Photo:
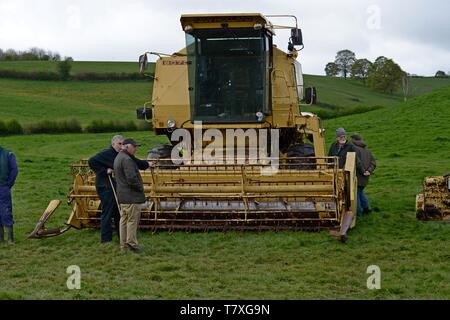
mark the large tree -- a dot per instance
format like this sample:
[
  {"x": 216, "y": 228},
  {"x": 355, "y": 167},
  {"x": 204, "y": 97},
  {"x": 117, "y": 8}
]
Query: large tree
[
  {"x": 331, "y": 69},
  {"x": 440, "y": 74},
  {"x": 385, "y": 75},
  {"x": 344, "y": 60},
  {"x": 360, "y": 69}
]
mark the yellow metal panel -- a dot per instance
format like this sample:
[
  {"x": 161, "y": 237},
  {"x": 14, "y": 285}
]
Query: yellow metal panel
[
  {"x": 170, "y": 91},
  {"x": 215, "y": 21},
  {"x": 350, "y": 167}
]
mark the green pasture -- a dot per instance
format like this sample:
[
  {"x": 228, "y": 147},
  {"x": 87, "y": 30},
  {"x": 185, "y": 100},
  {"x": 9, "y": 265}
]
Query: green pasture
[{"x": 409, "y": 140}]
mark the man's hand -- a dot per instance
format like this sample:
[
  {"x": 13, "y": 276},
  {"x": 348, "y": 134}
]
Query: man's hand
[
  {"x": 110, "y": 171},
  {"x": 366, "y": 173}
]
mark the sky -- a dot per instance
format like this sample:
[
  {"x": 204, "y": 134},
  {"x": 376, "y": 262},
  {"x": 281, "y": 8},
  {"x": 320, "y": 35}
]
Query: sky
[{"x": 416, "y": 34}]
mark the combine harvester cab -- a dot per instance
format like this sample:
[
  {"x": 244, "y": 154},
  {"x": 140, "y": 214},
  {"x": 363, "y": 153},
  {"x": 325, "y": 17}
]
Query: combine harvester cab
[{"x": 231, "y": 90}]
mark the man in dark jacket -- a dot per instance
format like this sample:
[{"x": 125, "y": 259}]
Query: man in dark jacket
[
  {"x": 368, "y": 165},
  {"x": 102, "y": 164},
  {"x": 341, "y": 147},
  {"x": 130, "y": 193},
  {"x": 8, "y": 175}
]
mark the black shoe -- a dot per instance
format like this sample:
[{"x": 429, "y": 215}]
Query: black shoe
[
  {"x": 367, "y": 210},
  {"x": 135, "y": 249}
]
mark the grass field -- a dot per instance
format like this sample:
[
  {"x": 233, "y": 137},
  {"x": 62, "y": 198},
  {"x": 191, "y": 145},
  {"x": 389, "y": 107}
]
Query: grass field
[
  {"x": 409, "y": 140},
  {"x": 77, "y": 66},
  {"x": 336, "y": 96},
  {"x": 30, "y": 101}
]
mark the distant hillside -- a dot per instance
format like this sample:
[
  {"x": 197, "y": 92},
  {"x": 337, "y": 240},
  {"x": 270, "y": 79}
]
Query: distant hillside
[
  {"x": 77, "y": 66},
  {"x": 337, "y": 95},
  {"x": 28, "y": 101}
]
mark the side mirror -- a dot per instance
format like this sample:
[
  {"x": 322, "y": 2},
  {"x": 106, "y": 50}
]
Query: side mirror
[
  {"x": 143, "y": 63},
  {"x": 296, "y": 37},
  {"x": 144, "y": 113}
]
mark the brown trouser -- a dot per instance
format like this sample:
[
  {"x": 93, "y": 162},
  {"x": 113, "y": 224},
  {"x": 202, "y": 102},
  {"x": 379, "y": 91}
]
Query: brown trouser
[{"x": 130, "y": 214}]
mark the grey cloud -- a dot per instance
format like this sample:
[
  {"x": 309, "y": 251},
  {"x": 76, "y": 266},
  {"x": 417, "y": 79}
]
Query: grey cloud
[{"x": 121, "y": 30}]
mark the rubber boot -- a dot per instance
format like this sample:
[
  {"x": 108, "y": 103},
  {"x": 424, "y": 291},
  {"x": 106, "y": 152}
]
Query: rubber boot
[
  {"x": 2, "y": 235},
  {"x": 10, "y": 232}
]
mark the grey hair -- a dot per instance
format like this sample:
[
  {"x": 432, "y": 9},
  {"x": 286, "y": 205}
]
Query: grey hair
[{"x": 117, "y": 138}]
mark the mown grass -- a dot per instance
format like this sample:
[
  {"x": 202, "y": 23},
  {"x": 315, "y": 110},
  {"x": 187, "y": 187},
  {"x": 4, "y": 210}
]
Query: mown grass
[{"x": 409, "y": 141}]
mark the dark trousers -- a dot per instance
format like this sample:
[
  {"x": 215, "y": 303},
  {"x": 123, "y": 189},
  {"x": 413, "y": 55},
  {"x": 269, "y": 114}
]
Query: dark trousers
[
  {"x": 6, "y": 217},
  {"x": 109, "y": 212}
]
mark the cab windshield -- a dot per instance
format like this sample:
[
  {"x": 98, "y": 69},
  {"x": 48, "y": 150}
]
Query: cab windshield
[{"x": 228, "y": 71}]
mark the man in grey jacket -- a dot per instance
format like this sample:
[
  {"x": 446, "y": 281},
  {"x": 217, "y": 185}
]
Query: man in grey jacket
[
  {"x": 130, "y": 194},
  {"x": 368, "y": 165}
]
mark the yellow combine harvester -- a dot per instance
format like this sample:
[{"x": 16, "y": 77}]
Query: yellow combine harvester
[{"x": 230, "y": 77}]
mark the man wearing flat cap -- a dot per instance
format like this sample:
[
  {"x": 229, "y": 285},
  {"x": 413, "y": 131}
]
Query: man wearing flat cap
[
  {"x": 130, "y": 194},
  {"x": 368, "y": 165}
]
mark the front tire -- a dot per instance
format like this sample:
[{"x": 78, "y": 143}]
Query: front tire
[
  {"x": 162, "y": 155},
  {"x": 301, "y": 150}
]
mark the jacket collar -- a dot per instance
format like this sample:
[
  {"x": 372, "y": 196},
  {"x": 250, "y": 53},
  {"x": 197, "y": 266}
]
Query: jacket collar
[{"x": 359, "y": 143}]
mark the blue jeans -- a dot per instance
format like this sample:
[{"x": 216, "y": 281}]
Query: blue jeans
[{"x": 362, "y": 202}]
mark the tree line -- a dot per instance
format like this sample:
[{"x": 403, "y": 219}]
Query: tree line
[
  {"x": 32, "y": 54},
  {"x": 441, "y": 74},
  {"x": 383, "y": 75}
]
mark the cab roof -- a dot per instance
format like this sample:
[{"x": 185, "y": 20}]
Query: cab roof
[{"x": 217, "y": 20}]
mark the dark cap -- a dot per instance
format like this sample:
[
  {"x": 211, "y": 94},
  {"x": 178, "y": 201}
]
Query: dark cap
[
  {"x": 356, "y": 137},
  {"x": 131, "y": 141},
  {"x": 340, "y": 132}
]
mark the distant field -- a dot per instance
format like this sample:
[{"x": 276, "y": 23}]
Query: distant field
[
  {"x": 409, "y": 141},
  {"x": 77, "y": 66},
  {"x": 94, "y": 100},
  {"x": 30, "y": 101}
]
